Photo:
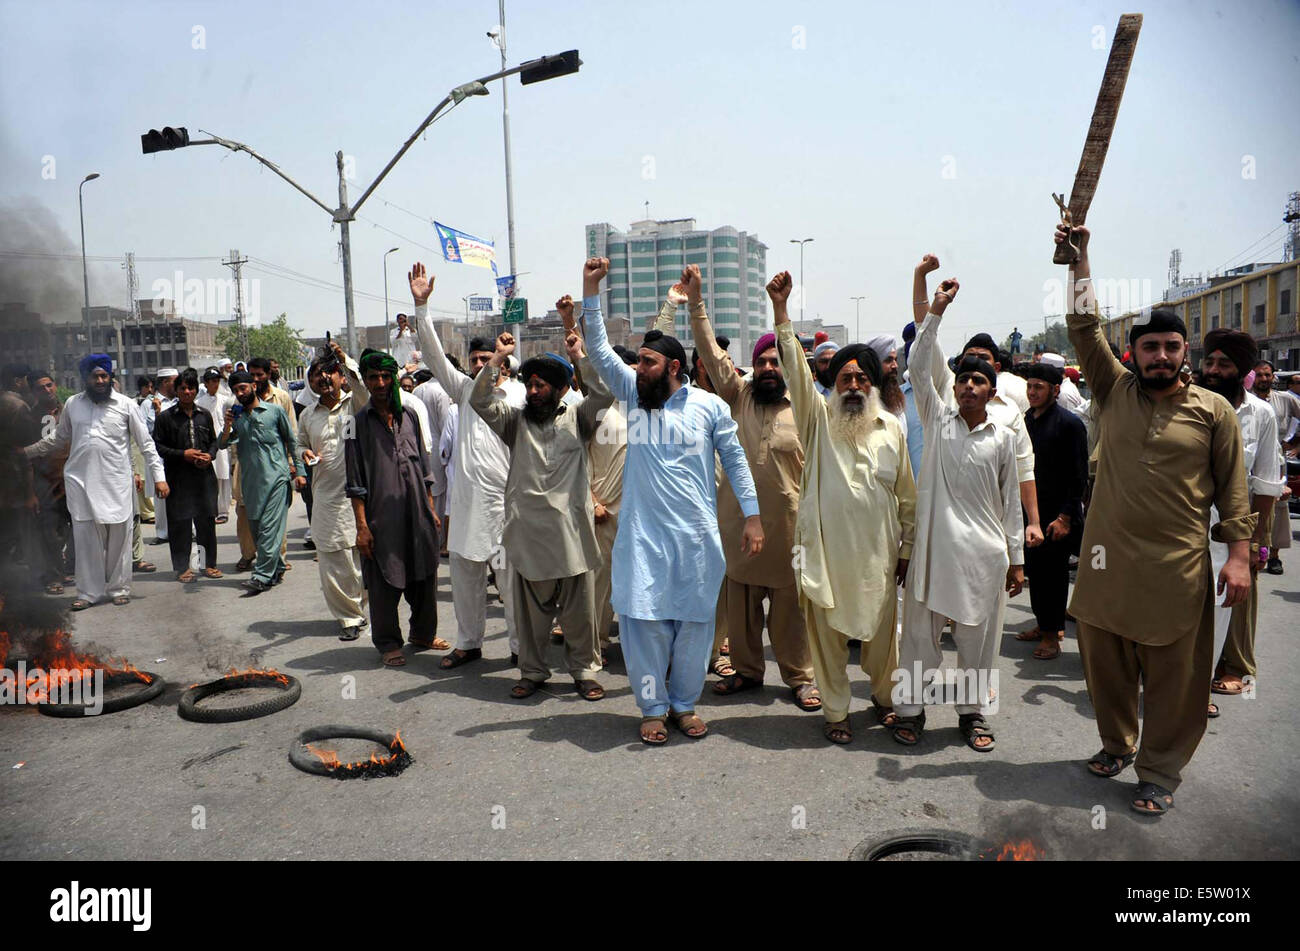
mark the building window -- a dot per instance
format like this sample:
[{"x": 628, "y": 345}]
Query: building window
[
  {"x": 643, "y": 262},
  {"x": 725, "y": 271},
  {"x": 1236, "y": 316},
  {"x": 730, "y": 257},
  {"x": 699, "y": 242},
  {"x": 670, "y": 244},
  {"x": 640, "y": 293},
  {"x": 697, "y": 258},
  {"x": 1196, "y": 327},
  {"x": 1284, "y": 302},
  {"x": 726, "y": 288},
  {"x": 1259, "y": 314},
  {"x": 642, "y": 247},
  {"x": 725, "y": 241}
]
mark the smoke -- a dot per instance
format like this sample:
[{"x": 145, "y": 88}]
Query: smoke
[{"x": 30, "y": 271}]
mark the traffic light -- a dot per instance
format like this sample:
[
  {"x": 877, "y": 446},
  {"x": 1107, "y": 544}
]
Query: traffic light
[
  {"x": 166, "y": 140},
  {"x": 548, "y": 67}
]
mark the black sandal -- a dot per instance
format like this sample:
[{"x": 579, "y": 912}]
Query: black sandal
[
  {"x": 458, "y": 657},
  {"x": 1110, "y": 765},
  {"x": 735, "y": 683},
  {"x": 1156, "y": 795},
  {"x": 840, "y": 726},
  {"x": 973, "y": 726},
  {"x": 524, "y": 688},
  {"x": 883, "y": 713},
  {"x": 915, "y": 725}
]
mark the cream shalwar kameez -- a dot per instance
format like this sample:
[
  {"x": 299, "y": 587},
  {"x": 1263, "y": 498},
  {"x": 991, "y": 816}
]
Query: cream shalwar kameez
[
  {"x": 969, "y": 531},
  {"x": 605, "y": 455},
  {"x": 477, "y": 503},
  {"x": 856, "y": 513},
  {"x": 100, "y": 487}
]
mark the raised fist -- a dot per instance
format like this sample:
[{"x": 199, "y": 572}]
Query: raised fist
[
  {"x": 677, "y": 294},
  {"x": 779, "y": 287},
  {"x": 506, "y": 344},
  {"x": 573, "y": 345},
  {"x": 593, "y": 272},
  {"x": 928, "y": 263},
  {"x": 691, "y": 282},
  {"x": 565, "y": 307},
  {"x": 946, "y": 292}
]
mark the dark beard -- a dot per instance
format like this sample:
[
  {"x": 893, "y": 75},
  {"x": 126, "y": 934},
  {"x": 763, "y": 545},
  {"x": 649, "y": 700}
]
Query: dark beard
[
  {"x": 1230, "y": 390},
  {"x": 653, "y": 395},
  {"x": 541, "y": 413},
  {"x": 97, "y": 395},
  {"x": 246, "y": 400},
  {"x": 825, "y": 379},
  {"x": 1151, "y": 383},
  {"x": 891, "y": 394},
  {"x": 263, "y": 388},
  {"x": 768, "y": 389}
]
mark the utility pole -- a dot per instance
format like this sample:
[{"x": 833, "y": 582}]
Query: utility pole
[
  {"x": 505, "y": 125},
  {"x": 236, "y": 264}
]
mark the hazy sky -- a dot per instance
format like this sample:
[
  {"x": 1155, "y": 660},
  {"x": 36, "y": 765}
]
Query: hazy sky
[{"x": 880, "y": 130}]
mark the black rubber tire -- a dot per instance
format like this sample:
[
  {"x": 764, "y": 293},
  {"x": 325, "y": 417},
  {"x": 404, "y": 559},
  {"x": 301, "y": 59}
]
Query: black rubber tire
[
  {"x": 123, "y": 702},
  {"x": 284, "y": 697},
  {"x": 957, "y": 844},
  {"x": 309, "y": 762}
]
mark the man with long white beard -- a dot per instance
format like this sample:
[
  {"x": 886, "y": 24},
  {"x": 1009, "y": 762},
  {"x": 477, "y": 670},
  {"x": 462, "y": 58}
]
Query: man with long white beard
[
  {"x": 477, "y": 493},
  {"x": 98, "y": 426},
  {"x": 1229, "y": 356},
  {"x": 969, "y": 549},
  {"x": 853, "y": 535},
  {"x": 765, "y": 421}
]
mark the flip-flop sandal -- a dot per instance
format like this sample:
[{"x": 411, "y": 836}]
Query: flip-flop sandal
[
  {"x": 394, "y": 658},
  {"x": 1213, "y": 711},
  {"x": 652, "y": 739},
  {"x": 186, "y": 576},
  {"x": 524, "y": 688},
  {"x": 1110, "y": 764},
  {"x": 807, "y": 697},
  {"x": 1053, "y": 651},
  {"x": 1227, "y": 687},
  {"x": 1150, "y": 792},
  {"x": 455, "y": 659},
  {"x": 54, "y": 588},
  {"x": 722, "y": 667},
  {"x": 212, "y": 573},
  {"x": 689, "y": 720},
  {"x": 144, "y": 566},
  {"x": 829, "y": 730},
  {"x": 80, "y": 604},
  {"x": 350, "y": 633},
  {"x": 1033, "y": 634},
  {"x": 735, "y": 683},
  {"x": 589, "y": 690},
  {"x": 437, "y": 644},
  {"x": 973, "y": 726}
]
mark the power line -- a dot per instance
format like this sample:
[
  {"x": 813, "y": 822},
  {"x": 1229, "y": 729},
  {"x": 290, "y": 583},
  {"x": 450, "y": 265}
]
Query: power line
[{"x": 1249, "y": 248}]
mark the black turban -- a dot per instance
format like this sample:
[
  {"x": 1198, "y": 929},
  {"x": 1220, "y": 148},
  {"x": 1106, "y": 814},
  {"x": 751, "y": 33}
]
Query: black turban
[
  {"x": 1238, "y": 346},
  {"x": 670, "y": 347},
  {"x": 478, "y": 344},
  {"x": 557, "y": 374},
  {"x": 238, "y": 377},
  {"x": 981, "y": 342},
  {"x": 974, "y": 364},
  {"x": 1051, "y": 375},
  {"x": 866, "y": 357},
  {"x": 1163, "y": 320}
]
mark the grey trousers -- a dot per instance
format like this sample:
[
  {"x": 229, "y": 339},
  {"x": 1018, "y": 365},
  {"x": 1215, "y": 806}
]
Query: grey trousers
[{"x": 571, "y": 601}]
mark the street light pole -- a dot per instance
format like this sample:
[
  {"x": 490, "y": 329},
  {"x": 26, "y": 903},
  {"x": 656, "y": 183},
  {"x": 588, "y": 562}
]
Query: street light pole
[
  {"x": 803, "y": 291},
  {"x": 386, "y": 330},
  {"x": 857, "y": 317},
  {"x": 505, "y": 125},
  {"x": 85, "y": 278}
]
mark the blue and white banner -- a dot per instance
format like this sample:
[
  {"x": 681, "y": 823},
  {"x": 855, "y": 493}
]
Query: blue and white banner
[
  {"x": 506, "y": 287},
  {"x": 461, "y": 248}
]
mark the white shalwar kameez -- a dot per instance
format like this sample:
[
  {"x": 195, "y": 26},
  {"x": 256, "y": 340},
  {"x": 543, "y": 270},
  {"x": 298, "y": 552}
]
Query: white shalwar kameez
[
  {"x": 969, "y": 531},
  {"x": 100, "y": 487},
  {"x": 216, "y": 407},
  {"x": 477, "y": 499}
]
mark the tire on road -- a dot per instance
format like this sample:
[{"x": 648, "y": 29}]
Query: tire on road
[
  {"x": 125, "y": 701},
  {"x": 959, "y": 845},
  {"x": 309, "y": 762},
  {"x": 286, "y": 695}
]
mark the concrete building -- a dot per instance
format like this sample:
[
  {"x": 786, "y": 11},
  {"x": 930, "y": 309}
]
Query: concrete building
[
  {"x": 1260, "y": 299},
  {"x": 647, "y": 260}
]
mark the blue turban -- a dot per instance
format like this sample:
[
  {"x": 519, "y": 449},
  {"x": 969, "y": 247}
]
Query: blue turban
[
  {"x": 95, "y": 361},
  {"x": 551, "y": 367}
]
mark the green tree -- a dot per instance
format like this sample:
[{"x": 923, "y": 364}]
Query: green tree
[{"x": 275, "y": 341}]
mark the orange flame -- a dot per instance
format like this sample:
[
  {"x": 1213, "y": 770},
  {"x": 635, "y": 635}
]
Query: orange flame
[
  {"x": 1025, "y": 850},
  {"x": 331, "y": 759},
  {"x": 264, "y": 672}
]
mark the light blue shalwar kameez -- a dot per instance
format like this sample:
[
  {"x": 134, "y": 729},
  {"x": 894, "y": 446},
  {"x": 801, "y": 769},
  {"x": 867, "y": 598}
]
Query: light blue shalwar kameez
[{"x": 667, "y": 558}]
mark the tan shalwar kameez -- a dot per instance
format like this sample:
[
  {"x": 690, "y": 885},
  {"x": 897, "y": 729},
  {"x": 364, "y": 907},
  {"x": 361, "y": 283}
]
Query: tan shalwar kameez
[
  {"x": 549, "y": 533},
  {"x": 856, "y": 516},
  {"x": 1144, "y": 596},
  {"x": 605, "y": 455},
  {"x": 770, "y": 438}
]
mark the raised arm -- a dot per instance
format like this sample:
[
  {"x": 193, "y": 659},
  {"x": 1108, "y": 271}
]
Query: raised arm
[
  {"x": 618, "y": 376},
  {"x": 926, "y": 364},
  {"x": 452, "y": 380},
  {"x": 798, "y": 377},
  {"x": 1100, "y": 368},
  {"x": 717, "y": 364},
  {"x": 498, "y": 414},
  {"x": 920, "y": 296},
  {"x": 598, "y": 398},
  {"x": 666, "y": 320}
]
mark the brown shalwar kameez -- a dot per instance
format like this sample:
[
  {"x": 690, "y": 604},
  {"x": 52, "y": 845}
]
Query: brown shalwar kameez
[{"x": 1144, "y": 595}]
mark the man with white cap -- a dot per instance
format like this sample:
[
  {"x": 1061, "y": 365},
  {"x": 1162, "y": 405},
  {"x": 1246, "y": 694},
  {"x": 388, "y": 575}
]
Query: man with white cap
[
  {"x": 822, "y": 355},
  {"x": 225, "y": 366},
  {"x": 163, "y": 399},
  {"x": 1069, "y": 398}
]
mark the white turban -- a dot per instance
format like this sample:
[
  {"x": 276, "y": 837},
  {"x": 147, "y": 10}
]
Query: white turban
[
  {"x": 883, "y": 344},
  {"x": 829, "y": 346},
  {"x": 1052, "y": 360},
  {"x": 168, "y": 371}
]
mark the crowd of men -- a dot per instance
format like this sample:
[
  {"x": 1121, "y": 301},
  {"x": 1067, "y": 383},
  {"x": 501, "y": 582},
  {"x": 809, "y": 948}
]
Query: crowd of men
[{"x": 830, "y": 499}]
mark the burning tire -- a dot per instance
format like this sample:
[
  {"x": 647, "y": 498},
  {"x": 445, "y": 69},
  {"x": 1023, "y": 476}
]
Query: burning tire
[
  {"x": 287, "y": 688},
  {"x": 320, "y": 763},
  {"x": 153, "y": 686},
  {"x": 956, "y": 845}
]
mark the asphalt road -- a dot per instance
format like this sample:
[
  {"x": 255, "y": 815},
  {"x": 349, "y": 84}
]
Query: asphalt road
[{"x": 554, "y": 776}]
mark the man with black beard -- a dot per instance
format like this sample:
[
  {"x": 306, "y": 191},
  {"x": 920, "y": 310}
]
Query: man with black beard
[
  {"x": 259, "y": 370},
  {"x": 1144, "y": 596},
  {"x": 766, "y": 428},
  {"x": 549, "y": 534},
  {"x": 1229, "y": 356},
  {"x": 885, "y": 347},
  {"x": 268, "y": 450},
  {"x": 97, "y": 427},
  {"x": 823, "y": 354}
]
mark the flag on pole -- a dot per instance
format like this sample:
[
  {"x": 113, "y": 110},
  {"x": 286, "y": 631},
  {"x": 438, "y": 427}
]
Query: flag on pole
[
  {"x": 461, "y": 248},
  {"x": 506, "y": 287}
]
